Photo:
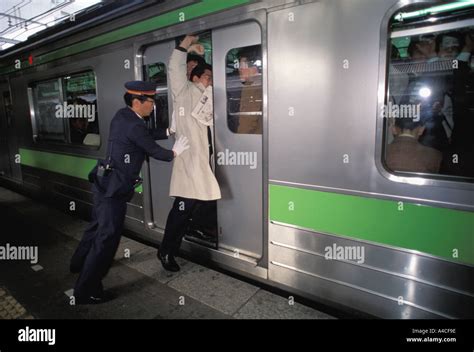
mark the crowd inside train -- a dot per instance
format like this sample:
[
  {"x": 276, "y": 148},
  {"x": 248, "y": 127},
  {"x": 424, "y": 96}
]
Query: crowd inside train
[{"x": 435, "y": 73}]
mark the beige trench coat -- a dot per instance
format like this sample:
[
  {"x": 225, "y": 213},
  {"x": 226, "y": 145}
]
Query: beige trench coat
[{"x": 192, "y": 176}]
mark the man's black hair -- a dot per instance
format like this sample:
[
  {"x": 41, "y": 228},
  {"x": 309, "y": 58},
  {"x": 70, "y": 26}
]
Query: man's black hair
[
  {"x": 252, "y": 53},
  {"x": 197, "y": 58},
  {"x": 407, "y": 123}
]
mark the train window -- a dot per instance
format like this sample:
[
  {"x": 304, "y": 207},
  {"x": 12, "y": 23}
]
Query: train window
[
  {"x": 80, "y": 91},
  {"x": 244, "y": 90},
  {"x": 47, "y": 96},
  {"x": 65, "y": 110},
  {"x": 429, "y": 106},
  {"x": 156, "y": 72}
]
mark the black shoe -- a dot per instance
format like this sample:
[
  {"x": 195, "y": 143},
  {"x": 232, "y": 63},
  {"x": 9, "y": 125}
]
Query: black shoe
[
  {"x": 105, "y": 297},
  {"x": 168, "y": 262}
]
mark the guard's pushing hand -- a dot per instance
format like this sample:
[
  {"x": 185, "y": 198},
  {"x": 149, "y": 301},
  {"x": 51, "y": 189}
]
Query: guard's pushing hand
[{"x": 180, "y": 145}]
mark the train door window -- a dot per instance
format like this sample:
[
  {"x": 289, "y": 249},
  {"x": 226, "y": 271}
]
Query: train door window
[
  {"x": 156, "y": 72},
  {"x": 65, "y": 110},
  {"x": 244, "y": 90},
  {"x": 429, "y": 106}
]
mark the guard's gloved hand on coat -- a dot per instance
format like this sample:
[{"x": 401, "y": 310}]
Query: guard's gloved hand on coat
[{"x": 180, "y": 146}]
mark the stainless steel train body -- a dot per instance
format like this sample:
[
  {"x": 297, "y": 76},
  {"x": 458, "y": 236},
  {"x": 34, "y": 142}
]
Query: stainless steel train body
[{"x": 319, "y": 182}]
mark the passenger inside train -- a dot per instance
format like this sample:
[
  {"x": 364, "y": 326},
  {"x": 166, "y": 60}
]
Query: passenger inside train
[
  {"x": 407, "y": 153},
  {"x": 435, "y": 72},
  {"x": 245, "y": 90}
]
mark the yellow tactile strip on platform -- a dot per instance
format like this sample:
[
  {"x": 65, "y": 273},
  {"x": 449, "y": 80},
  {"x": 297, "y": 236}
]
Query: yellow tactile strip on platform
[{"x": 10, "y": 308}]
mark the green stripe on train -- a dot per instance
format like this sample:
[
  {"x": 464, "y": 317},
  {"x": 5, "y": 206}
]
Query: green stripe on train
[
  {"x": 183, "y": 14},
  {"x": 431, "y": 230},
  {"x": 74, "y": 166}
]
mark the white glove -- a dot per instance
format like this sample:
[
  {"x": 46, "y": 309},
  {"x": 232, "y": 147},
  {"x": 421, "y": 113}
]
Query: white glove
[{"x": 180, "y": 145}]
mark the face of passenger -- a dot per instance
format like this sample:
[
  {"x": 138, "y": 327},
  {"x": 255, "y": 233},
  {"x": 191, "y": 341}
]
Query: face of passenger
[
  {"x": 79, "y": 124},
  {"x": 424, "y": 49},
  {"x": 246, "y": 70},
  {"x": 205, "y": 79},
  {"x": 449, "y": 47},
  {"x": 417, "y": 55}
]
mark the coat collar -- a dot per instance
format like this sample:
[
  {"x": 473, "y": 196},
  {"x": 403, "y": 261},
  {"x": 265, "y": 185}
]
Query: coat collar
[{"x": 200, "y": 86}]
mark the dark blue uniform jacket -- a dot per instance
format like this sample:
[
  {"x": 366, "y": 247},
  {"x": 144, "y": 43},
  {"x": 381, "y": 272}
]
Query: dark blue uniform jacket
[{"x": 129, "y": 142}]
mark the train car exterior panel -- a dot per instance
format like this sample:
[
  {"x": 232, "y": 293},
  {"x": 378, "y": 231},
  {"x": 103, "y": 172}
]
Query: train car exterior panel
[{"x": 402, "y": 277}]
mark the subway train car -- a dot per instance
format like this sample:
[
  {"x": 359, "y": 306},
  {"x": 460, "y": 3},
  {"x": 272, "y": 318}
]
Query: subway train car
[{"x": 313, "y": 101}]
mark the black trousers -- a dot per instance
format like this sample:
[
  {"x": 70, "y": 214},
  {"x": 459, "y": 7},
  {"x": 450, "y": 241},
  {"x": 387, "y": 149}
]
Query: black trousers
[
  {"x": 177, "y": 224},
  {"x": 96, "y": 251}
]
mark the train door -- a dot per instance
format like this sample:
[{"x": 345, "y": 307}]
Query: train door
[
  {"x": 155, "y": 60},
  {"x": 238, "y": 114},
  {"x": 203, "y": 227},
  {"x": 5, "y": 126}
]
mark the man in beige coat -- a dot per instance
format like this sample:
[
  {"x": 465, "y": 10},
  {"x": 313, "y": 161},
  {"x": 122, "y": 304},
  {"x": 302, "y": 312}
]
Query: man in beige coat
[{"x": 192, "y": 179}]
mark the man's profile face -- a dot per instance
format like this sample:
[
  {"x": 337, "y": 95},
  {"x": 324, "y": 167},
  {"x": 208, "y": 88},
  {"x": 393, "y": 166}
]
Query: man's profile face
[
  {"x": 145, "y": 107},
  {"x": 247, "y": 70},
  {"x": 449, "y": 52},
  {"x": 206, "y": 78},
  {"x": 79, "y": 124},
  {"x": 449, "y": 47}
]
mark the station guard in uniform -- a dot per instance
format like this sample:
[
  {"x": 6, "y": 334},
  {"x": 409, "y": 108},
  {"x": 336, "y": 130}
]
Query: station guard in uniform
[{"x": 114, "y": 180}]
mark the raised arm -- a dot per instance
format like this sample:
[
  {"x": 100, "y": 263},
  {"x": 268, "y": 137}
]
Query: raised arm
[{"x": 177, "y": 66}]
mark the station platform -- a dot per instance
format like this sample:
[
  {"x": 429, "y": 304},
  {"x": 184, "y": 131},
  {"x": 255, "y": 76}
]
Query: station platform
[{"x": 144, "y": 289}]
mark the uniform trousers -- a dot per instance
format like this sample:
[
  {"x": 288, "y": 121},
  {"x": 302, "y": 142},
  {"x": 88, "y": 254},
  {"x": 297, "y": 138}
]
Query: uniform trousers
[{"x": 95, "y": 253}]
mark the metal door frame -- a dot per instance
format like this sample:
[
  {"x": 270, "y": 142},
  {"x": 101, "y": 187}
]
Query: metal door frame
[{"x": 149, "y": 214}]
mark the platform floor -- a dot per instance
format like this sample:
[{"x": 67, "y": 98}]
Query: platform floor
[{"x": 145, "y": 290}]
